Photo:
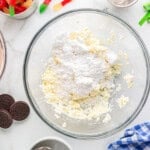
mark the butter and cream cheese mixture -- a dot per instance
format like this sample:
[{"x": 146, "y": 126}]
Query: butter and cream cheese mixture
[{"x": 79, "y": 78}]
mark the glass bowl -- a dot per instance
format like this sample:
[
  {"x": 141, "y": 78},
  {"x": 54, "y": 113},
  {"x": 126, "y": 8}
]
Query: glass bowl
[
  {"x": 2, "y": 54},
  {"x": 25, "y": 14},
  {"x": 51, "y": 143},
  {"x": 122, "y": 3},
  {"x": 102, "y": 24}
]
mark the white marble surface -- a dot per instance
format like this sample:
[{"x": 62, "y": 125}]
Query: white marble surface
[{"x": 18, "y": 34}]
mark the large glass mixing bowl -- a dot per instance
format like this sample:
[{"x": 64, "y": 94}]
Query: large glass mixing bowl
[{"x": 102, "y": 24}]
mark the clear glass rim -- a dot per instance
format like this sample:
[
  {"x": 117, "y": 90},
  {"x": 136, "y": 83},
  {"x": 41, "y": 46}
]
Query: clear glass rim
[
  {"x": 123, "y": 6},
  {"x": 146, "y": 90},
  {"x": 4, "y": 53}
]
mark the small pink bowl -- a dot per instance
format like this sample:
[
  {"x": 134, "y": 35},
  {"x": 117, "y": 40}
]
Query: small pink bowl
[{"x": 2, "y": 54}]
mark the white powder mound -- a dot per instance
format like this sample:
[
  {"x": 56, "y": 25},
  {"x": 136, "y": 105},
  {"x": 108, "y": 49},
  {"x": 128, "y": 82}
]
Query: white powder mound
[{"x": 78, "y": 80}]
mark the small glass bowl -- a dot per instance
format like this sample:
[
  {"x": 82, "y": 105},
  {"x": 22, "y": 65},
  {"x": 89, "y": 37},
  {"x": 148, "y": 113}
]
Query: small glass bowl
[
  {"x": 51, "y": 143},
  {"x": 2, "y": 54},
  {"x": 122, "y": 3},
  {"x": 25, "y": 14}
]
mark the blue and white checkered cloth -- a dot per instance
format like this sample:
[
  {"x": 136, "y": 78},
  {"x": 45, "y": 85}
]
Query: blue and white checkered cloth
[{"x": 135, "y": 138}]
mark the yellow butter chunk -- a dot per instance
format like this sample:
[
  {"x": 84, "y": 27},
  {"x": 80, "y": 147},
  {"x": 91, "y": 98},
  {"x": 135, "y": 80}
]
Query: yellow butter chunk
[
  {"x": 122, "y": 101},
  {"x": 56, "y": 60},
  {"x": 129, "y": 80},
  {"x": 49, "y": 81}
]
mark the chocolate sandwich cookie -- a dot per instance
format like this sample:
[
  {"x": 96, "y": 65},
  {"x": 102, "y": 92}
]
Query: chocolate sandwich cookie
[
  {"x": 6, "y": 101},
  {"x": 19, "y": 110},
  {"x": 5, "y": 119}
]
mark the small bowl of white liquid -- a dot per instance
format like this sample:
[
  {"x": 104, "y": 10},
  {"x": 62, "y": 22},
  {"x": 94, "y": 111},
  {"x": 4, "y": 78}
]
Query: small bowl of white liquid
[{"x": 51, "y": 143}]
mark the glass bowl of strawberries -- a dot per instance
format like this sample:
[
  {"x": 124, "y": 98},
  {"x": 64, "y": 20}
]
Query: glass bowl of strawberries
[{"x": 18, "y": 9}]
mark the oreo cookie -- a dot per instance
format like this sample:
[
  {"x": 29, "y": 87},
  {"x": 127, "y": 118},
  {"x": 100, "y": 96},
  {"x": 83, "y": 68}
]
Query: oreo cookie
[
  {"x": 6, "y": 101},
  {"x": 5, "y": 119},
  {"x": 19, "y": 110}
]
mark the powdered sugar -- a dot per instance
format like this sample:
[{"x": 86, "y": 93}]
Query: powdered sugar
[{"x": 79, "y": 78}]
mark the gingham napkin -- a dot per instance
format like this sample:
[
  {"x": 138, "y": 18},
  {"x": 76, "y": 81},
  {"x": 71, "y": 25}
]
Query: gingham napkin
[{"x": 135, "y": 138}]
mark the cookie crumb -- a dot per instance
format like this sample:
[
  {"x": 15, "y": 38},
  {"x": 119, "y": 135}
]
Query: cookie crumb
[
  {"x": 107, "y": 118},
  {"x": 122, "y": 101},
  {"x": 129, "y": 80},
  {"x": 118, "y": 88},
  {"x": 64, "y": 125},
  {"x": 57, "y": 116}
]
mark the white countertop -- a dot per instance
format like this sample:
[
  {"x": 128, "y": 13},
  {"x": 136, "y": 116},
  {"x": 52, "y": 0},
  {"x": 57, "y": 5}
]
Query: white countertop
[{"x": 18, "y": 34}]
